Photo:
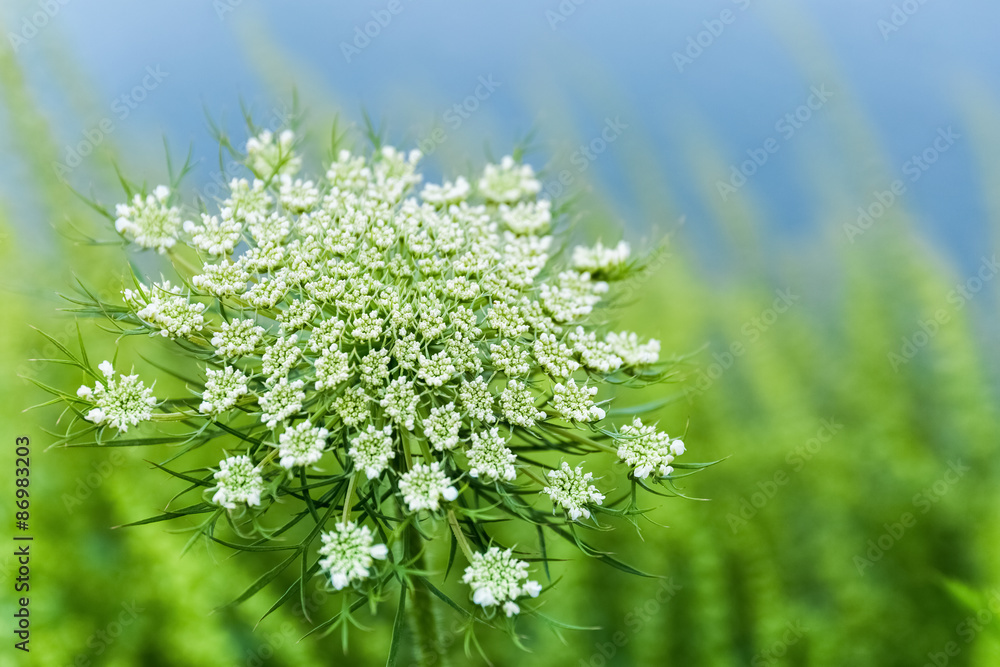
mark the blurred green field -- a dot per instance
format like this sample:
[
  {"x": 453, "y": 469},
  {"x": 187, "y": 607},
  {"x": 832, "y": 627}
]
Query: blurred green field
[{"x": 853, "y": 521}]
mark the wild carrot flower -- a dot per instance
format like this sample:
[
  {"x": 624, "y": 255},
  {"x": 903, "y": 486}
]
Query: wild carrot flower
[{"x": 430, "y": 344}]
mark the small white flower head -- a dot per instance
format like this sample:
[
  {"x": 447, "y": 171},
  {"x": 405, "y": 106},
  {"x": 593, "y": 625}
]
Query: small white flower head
[
  {"x": 267, "y": 293},
  {"x": 332, "y": 368},
  {"x": 263, "y": 258},
  {"x": 149, "y": 220},
  {"x": 424, "y": 486},
  {"x": 400, "y": 402},
  {"x": 246, "y": 203},
  {"x": 213, "y": 236},
  {"x": 222, "y": 279},
  {"x": 349, "y": 172},
  {"x": 507, "y": 320},
  {"x": 464, "y": 354},
  {"x": 237, "y": 338},
  {"x": 298, "y": 196},
  {"x": 477, "y": 400},
  {"x": 121, "y": 403},
  {"x": 270, "y": 230},
  {"x": 497, "y": 578},
  {"x": 353, "y": 406},
  {"x": 301, "y": 445},
  {"x": 601, "y": 261},
  {"x": 281, "y": 356},
  {"x": 297, "y": 316},
  {"x": 239, "y": 481},
  {"x": 449, "y": 193},
  {"x": 461, "y": 288},
  {"x": 554, "y": 357},
  {"x": 407, "y": 350},
  {"x": 571, "y": 296},
  {"x": 576, "y": 403},
  {"x": 511, "y": 359},
  {"x": 596, "y": 355},
  {"x": 627, "y": 346},
  {"x": 530, "y": 217},
  {"x": 281, "y": 402},
  {"x": 490, "y": 458},
  {"x": 437, "y": 370},
  {"x": 348, "y": 553},
  {"x": 223, "y": 388},
  {"x": 517, "y": 402},
  {"x": 442, "y": 425},
  {"x": 368, "y": 327},
  {"x": 374, "y": 367},
  {"x": 164, "y": 307},
  {"x": 268, "y": 155},
  {"x": 394, "y": 173},
  {"x": 327, "y": 335},
  {"x": 571, "y": 489},
  {"x": 646, "y": 449},
  {"x": 371, "y": 450},
  {"x": 508, "y": 182},
  {"x": 464, "y": 320}
]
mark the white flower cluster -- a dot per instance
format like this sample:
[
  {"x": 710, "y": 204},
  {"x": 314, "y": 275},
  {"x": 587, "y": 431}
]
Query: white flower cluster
[
  {"x": 164, "y": 307},
  {"x": 149, "y": 220},
  {"x": 422, "y": 340},
  {"x": 497, "y": 578},
  {"x": 489, "y": 456},
  {"x": 301, "y": 445},
  {"x": 576, "y": 403},
  {"x": 571, "y": 489},
  {"x": 348, "y": 553},
  {"x": 424, "y": 486},
  {"x": 600, "y": 260},
  {"x": 122, "y": 403},
  {"x": 646, "y": 449},
  {"x": 239, "y": 481},
  {"x": 223, "y": 389}
]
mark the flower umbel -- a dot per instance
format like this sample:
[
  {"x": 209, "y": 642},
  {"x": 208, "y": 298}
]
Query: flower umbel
[
  {"x": 348, "y": 553},
  {"x": 121, "y": 403},
  {"x": 239, "y": 482},
  {"x": 357, "y": 347},
  {"x": 497, "y": 578}
]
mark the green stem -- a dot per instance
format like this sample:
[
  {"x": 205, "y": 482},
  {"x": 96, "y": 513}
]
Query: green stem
[{"x": 428, "y": 648}]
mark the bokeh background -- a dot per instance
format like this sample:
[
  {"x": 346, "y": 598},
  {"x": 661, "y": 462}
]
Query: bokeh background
[{"x": 828, "y": 175}]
